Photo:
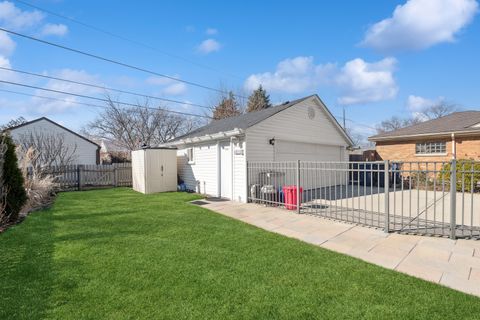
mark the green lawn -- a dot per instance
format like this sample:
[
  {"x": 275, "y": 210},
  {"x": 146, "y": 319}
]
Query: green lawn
[{"x": 117, "y": 254}]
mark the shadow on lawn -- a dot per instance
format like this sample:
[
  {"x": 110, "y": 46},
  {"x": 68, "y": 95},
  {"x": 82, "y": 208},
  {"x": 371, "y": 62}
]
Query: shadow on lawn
[{"x": 26, "y": 253}]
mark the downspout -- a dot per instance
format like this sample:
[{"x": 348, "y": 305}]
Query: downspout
[
  {"x": 219, "y": 168},
  {"x": 232, "y": 163},
  {"x": 454, "y": 147}
]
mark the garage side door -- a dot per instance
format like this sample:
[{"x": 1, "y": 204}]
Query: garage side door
[{"x": 291, "y": 151}]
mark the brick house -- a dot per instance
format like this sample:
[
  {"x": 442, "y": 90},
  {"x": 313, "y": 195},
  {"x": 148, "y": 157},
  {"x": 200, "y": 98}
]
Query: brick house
[{"x": 454, "y": 136}]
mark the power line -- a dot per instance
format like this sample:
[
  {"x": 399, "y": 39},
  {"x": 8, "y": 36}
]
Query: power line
[
  {"x": 51, "y": 98},
  {"x": 123, "y": 64},
  {"x": 100, "y": 99},
  {"x": 114, "y": 35},
  {"x": 361, "y": 124},
  {"x": 103, "y": 87},
  {"x": 358, "y": 123}
]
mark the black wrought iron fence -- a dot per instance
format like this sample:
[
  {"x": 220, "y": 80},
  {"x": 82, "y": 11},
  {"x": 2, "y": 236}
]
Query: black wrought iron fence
[{"x": 428, "y": 198}]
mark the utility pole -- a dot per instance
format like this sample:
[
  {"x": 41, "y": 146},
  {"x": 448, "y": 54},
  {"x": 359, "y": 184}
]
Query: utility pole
[{"x": 344, "y": 126}]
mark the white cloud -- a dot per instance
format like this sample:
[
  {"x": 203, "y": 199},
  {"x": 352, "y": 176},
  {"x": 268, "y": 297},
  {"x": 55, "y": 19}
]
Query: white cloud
[
  {"x": 54, "y": 29},
  {"x": 7, "y": 45},
  {"x": 15, "y": 18},
  {"x": 7, "y": 75},
  {"x": 175, "y": 89},
  {"x": 43, "y": 106},
  {"x": 4, "y": 62},
  {"x": 362, "y": 82},
  {"x": 294, "y": 75},
  {"x": 419, "y": 24},
  {"x": 158, "y": 81},
  {"x": 208, "y": 46},
  {"x": 211, "y": 31},
  {"x": 357, "y": 81},
  {"x": 417, "y": 103},
  {"x": 169, "y": 86}
]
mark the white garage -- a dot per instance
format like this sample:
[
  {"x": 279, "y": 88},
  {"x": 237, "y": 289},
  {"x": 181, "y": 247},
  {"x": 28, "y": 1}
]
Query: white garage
[
  {"x": 291, "y": 151},
  {"x": 213, "y": 159}
]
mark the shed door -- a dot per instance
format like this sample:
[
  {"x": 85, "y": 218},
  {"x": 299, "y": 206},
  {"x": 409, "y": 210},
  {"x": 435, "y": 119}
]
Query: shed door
[
  {"x": 225, "y": 170},
  {"x": 291, "y": 151}
]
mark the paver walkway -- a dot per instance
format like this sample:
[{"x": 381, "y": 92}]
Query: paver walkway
[{"x": 453, "y": 263}]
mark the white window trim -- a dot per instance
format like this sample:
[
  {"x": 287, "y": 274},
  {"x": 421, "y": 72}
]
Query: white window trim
[
  {"x": 431, "y": 154},
  {"x": 192, "y": 160}
]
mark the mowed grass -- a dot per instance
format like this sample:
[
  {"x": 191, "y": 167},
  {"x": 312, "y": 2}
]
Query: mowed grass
[{"x": 118, "y": 254}]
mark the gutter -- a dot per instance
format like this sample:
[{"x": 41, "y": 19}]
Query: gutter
[
  {"x": 426, "y": 135},
  {"x": 205, "y": 138}
]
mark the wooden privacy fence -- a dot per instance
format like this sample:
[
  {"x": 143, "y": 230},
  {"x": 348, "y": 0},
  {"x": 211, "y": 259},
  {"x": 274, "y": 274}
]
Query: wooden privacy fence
[{"x": 83, "y": 177}]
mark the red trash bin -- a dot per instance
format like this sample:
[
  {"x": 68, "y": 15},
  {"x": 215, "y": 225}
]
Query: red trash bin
[{"x": 290, "y": 195}]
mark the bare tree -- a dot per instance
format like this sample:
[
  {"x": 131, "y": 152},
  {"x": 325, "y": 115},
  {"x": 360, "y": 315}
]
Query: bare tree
[
  {"x": 357, "y": 139},
  {"x": 13, "y": 123},
  {"x": 439, "y": 110},
  {"x": 133, "y": 127},
  {"x": 46, "y": 149},
  {"x": 395, "y": 123},
  {"x": 430, "y": 113}
]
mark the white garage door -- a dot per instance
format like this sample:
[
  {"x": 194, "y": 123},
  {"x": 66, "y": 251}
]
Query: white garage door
[{"x": 291, "y": 151}]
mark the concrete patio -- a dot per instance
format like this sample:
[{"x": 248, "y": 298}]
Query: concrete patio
[{"x": 453, "y": 263}]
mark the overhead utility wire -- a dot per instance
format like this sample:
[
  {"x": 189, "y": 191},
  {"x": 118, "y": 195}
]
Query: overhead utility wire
[
  {"x": 51, "y": 98},
  {"x": 103, "y": 87},
  {"x": 100, "y": 99},
  {"x": 114, "y": 35},
  {"x": 123, "y": 64}
]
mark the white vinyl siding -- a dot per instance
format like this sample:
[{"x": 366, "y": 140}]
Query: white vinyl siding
[
  {"x": 294, "y": 125},
  {"x": 200, "y": 176},
  {"x": 138, "y": 171},
  {"x": 292, "y": 151},
  {"x": 303, "y": 132},
  {"x": 239, "y": 171},
  {"x": 85, "y": 151}
]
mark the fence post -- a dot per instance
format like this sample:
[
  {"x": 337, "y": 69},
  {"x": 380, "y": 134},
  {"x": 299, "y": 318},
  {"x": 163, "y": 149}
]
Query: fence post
[
  {"x": 247, "y": 181},
  {"x": 453, "y": 198},
  {"x": 386, "y": 190},
  {"x": 79, "y": 176},
  {"x": 299, "y": 201},
  {"x": 115, "y": 176}
]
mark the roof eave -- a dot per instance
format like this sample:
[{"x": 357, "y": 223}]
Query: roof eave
[
  {"x": 206, "y": 138},
  {"x": 425, "y": 135}
]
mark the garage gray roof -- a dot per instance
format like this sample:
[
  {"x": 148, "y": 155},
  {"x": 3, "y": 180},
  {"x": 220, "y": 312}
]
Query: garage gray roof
[
  {"x": 453, "y": 123},
  {"x": 242, "y": 121}
]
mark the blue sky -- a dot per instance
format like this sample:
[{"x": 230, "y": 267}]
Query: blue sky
[{"x": 376, "y": 59}]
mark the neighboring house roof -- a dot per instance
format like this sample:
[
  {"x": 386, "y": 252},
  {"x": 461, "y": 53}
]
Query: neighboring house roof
[
  {"x": 112, "y": 146},
  {"x": 249, "y": 119},
  {"x": 54, "y": 123},
  {"x": 107, "y": 145},
  {"x": 465, "y": 122}
]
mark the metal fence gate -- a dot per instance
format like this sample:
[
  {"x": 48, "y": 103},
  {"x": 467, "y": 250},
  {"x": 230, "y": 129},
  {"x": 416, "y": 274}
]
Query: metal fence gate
[{"x": 427, "y": 198}]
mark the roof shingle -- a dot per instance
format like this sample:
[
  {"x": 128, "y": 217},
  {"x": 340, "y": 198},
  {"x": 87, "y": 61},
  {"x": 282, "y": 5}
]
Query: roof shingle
[
  {"x": 242, "y": 121},
  {"x": 455, "y": 122}
]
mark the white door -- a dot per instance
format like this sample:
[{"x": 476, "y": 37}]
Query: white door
[{"x": 225, "y": 170}]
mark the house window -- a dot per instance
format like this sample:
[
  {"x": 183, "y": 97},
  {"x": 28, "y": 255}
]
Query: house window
[
  {"x": 190, "y": 155},
  {"x": 435, "y": 147}
]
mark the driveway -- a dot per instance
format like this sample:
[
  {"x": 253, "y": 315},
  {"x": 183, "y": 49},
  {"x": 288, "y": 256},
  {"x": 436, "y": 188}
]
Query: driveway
[
  {"x": 410, "y": 210},
  {"x": 453, "y": 263}
]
